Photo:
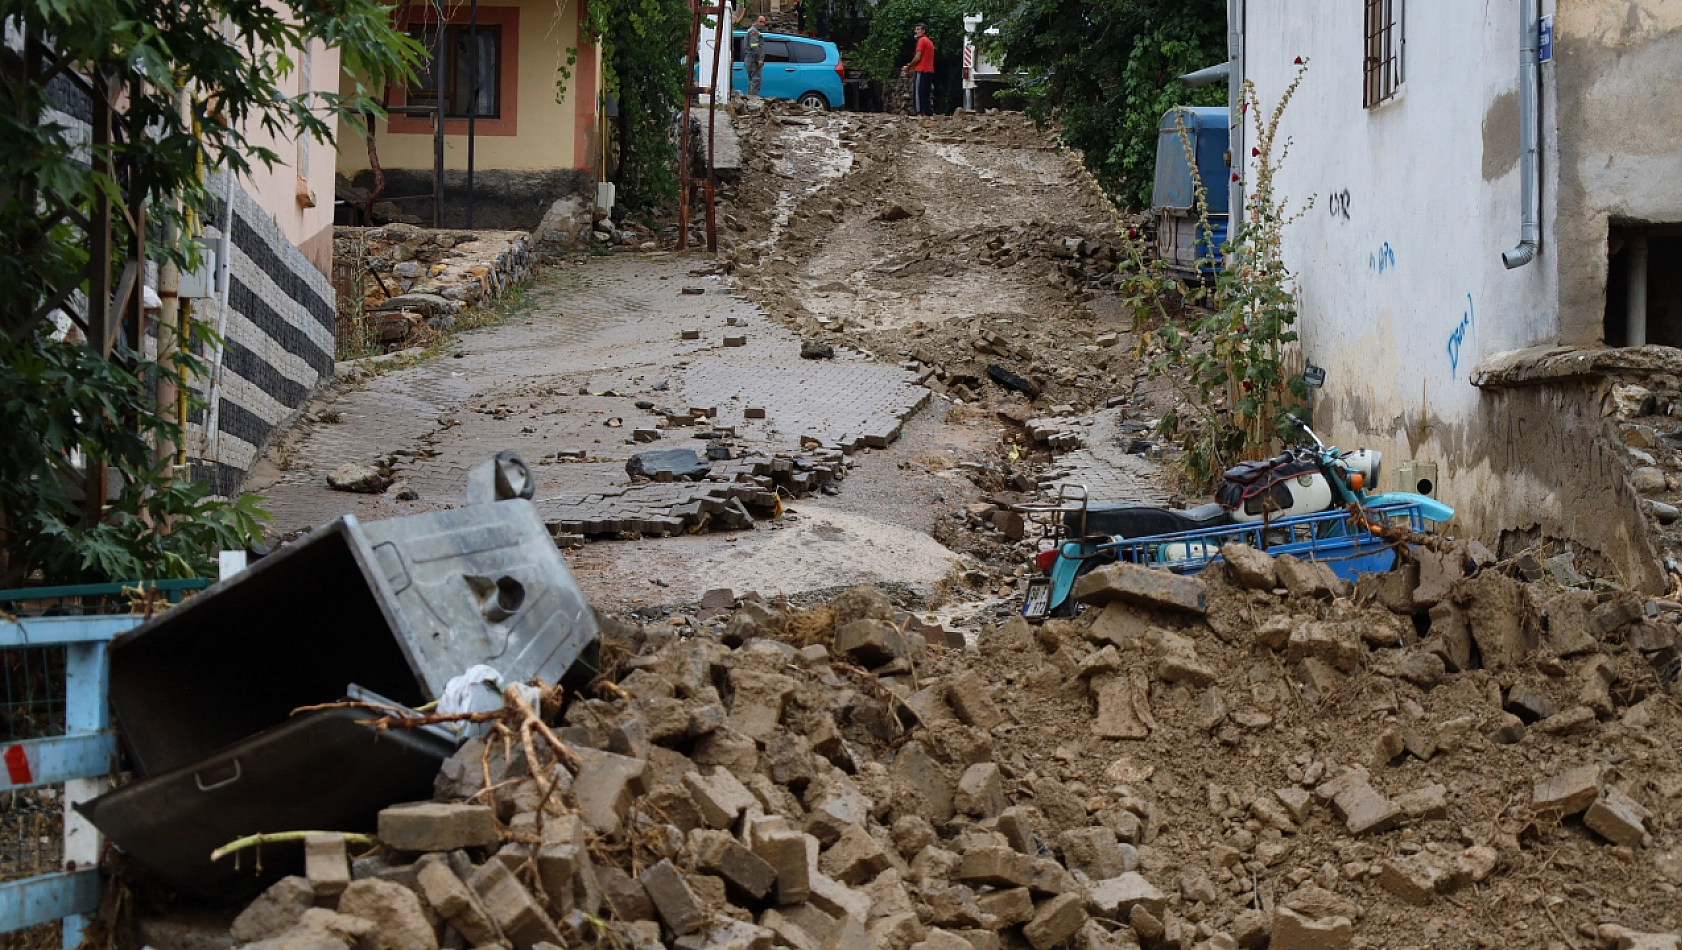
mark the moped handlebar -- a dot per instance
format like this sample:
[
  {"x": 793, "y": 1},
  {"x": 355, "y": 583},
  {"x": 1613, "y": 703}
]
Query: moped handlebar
[{"x": 1296, "y": 420}]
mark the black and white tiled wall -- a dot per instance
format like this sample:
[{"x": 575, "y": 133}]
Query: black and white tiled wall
[
  {"x": 278, "y": 327},
  {"x": 278, "y": 333}
]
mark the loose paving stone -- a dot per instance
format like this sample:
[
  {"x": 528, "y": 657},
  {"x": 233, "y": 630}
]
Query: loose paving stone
[
  {"x": 1292, "y": 931},
  {"x": 326, "y": 865},
  {"x": 719, "y": 795},
  {"x": 670, "y": 463},
  {"x": 1361, "y": 807},
  {"x": 1252, "y": 569},
  {"x": 1055, "y": 921},
  {"x": 1416, "y": 878},
  {"x": 855, "y": 858},
  {"x": 455, "y": 901},
  {"x": 980, "y": 791},
  {"x": 506, "y": 900},
  {"x": 1617, "y": 818},
  {"x": 438, "y": 826},
  {"x": 399, "y": 919},
  {"x": 672, "y": 898},
  {"x": 275, "y": 912},
  {"x": 605, "y": 787},
  {"x": 995, "y": 866},
  {"x": 1115, "y": 898},
  {"x": 969, "y": 698}
]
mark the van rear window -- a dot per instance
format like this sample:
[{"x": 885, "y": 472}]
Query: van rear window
[{"x": 805, "y": 52}]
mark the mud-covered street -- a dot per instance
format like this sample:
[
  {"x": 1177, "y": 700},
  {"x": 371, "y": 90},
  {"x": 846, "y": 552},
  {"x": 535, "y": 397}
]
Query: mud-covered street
[
  {"x": 912, "y": 331},
  {"x": 630, "y": 475},
  {"x": 1005, "y": 262}
]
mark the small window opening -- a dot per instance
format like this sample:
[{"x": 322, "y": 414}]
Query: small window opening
[
  {"x": 1383, "y": 60},
  {"x": 1644, "y": 285}
]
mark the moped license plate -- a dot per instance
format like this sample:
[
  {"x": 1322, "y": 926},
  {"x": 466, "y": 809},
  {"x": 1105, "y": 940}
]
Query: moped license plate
[{"x": 1036, "y": 602}]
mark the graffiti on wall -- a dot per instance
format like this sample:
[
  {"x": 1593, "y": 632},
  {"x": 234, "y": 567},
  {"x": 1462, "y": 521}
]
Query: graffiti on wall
[
  {"x": 1457, "y": 338},
  {"x": 1339, "y": 204},
  {"x": 1382, "y": 259}
]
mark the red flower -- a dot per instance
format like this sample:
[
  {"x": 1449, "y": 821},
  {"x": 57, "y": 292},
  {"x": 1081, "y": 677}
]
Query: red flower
[
  {"x": 1234, "y": 176},
  {"x": 1254, "y": 152},
  {"x": 1249, "y": 386},
  {"x": 1298, "y": 61}
]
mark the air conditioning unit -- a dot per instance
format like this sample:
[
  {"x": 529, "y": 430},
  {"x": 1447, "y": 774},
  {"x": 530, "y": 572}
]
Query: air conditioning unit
[{"x": 1417, "y": 477}]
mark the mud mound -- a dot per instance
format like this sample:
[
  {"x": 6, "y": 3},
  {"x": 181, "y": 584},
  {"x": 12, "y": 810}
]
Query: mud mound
[{"x": 970, "y": 241}]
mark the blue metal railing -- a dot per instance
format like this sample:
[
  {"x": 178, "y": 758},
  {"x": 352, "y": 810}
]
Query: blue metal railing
[
  {"x": 96, "y": 598},
  {"x": 81, "y": 759},
  {"x": 1323, "y": 536}
]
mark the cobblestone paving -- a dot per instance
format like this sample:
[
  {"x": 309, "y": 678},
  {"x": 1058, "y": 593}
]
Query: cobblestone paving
[
  {"x": 1105, "y": 468},
  {"x": 611, "y": 329}
]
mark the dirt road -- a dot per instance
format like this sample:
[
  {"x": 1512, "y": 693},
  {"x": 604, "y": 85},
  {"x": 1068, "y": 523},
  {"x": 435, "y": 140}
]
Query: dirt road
[
  {"x": 965, "y": 243},
  {"x": 603, "y": 353},
  {"x": 1446, "y": 756}
]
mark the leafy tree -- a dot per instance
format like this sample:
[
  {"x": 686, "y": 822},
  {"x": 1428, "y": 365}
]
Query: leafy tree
[
  {"x": 889, "y": 44},
  {"x": 642, "y": 47},
  {"x": 60, "y": 399},
  {"x": 1106, "y": 71},
  {"x": 195, "y": 81}
]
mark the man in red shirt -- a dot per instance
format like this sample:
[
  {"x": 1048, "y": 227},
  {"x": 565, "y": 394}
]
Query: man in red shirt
[{"x": 921, "y": 70}]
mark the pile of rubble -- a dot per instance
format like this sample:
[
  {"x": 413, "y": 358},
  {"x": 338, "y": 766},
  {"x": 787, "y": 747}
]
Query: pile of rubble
[
  {"x": 676, "y": 490},
  {"x": 416, "y": 278},
  {"x": 1263, "y": 756},
  {"x": 1646, "y": 410}
]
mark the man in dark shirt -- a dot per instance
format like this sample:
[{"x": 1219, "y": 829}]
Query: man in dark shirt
[
  {"x": 753, "y": 54},
  {"x": 921, "y": 70}
]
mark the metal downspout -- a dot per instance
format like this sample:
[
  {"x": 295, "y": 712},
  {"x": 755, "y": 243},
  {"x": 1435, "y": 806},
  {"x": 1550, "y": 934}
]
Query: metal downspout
[
  {"x": 1235, "y": 119},
  {"x": 1530, "y": 121},
  {"x": 1207, "y": 77}
]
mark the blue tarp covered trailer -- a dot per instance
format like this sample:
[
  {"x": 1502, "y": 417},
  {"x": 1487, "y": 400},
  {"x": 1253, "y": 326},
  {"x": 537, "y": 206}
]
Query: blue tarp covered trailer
[{"x": 1174, "y": 196}]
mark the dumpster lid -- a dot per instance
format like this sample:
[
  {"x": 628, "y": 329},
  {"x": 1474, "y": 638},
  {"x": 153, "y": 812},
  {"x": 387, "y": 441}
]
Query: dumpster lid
[{"x": 399, "y": 606}]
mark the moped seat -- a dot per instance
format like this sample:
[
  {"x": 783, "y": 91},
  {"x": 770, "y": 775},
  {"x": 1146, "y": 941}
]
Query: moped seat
[{"x": 1138, "y": 521}]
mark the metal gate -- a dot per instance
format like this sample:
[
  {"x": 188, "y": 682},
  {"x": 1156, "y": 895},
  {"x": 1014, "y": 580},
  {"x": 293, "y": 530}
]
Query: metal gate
[{"x": 56, "y": 675}]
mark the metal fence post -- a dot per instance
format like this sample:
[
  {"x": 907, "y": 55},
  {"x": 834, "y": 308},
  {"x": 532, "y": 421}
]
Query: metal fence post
[{"x": 87, "y": 679}]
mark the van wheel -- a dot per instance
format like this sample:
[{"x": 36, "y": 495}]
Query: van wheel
[{"x": 814, "y": 100}]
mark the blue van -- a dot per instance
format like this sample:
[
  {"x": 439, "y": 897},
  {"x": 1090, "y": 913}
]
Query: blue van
[{"x": 805, "y": 70}]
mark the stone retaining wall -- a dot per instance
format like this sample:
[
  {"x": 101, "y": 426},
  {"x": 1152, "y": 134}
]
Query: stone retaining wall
[
  {"x": 412, "y": 276},
  {"x": 465, "y": 267}
]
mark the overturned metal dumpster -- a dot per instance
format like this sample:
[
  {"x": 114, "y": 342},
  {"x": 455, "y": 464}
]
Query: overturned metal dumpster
[{"x": 204, "y": 694}]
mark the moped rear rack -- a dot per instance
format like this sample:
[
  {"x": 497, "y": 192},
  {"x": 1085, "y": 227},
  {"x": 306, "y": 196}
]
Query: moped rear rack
[{"x": 1051, "y": 521}]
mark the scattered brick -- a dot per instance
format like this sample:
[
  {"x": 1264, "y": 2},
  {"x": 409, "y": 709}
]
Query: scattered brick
[{"x": 438, "y": 826}]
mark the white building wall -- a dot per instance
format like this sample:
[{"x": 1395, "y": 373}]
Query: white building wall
[
  {"x": 1402, "y": 289},
  {"x": 705, "y": 53},
  {"x": 1398, "y": 261}
]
